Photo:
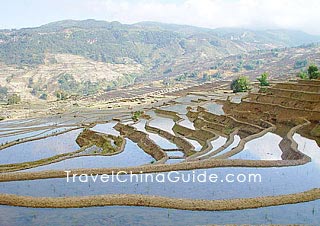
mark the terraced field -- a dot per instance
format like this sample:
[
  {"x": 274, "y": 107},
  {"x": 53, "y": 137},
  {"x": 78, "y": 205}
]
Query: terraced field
[{"x": 272, "y": 131}]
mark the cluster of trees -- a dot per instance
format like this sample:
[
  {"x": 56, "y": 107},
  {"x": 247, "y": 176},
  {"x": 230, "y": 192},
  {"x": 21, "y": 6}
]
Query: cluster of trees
[
  {"x": 123, "y": 81},
  {"x": 13, "y": 99},
  {"x": 242, "y": 83},
  {"x": 9, "y": 98},
  {"x": 3, "y": 92},
  {"x": 300, "y": 64},
  {"x": 311, "y": 73},
  {"x": 107, "y": 43},
  {"x": 69, "y": 86}
]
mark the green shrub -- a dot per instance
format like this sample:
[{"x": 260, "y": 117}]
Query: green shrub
[
  {"x": 241, "y": 84},
  {"x": 264, "y": 79},
  {"x": 136, "y": 115},
  {"x": 303, "y": 75},
  {"x": 313, "y": 72}
]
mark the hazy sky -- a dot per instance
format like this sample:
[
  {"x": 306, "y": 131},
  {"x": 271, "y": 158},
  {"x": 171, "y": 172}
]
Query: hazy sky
[{"x": 290, "y": 14}]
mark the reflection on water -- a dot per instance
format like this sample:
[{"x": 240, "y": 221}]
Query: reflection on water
[
  {"x": 146, "y": 216},
  {"x": 175, "y": 153},
  {"x": 187, "y": 99},
  {"x": 214, "y": 108},
  {"x": 106, "y": 128},
  {"x": 262, "y": 148},
  {"x": 308, "y": 147},
  {"x": 132, "y": 155},
  {"x": 197, "y": 146},
  {"x": 186, "y": 122},
  {"x": 39, "y": 133},
  {"x": 179, "y": 108},
  {"x": 236, "y": 141},
  {"x": 217, "y": 143},
  {"x": 39, "y": 149},
  {"x": 162, "y": 142},
  {"x": 274, "y": 181},
  {"x": 162, "y": 123}
]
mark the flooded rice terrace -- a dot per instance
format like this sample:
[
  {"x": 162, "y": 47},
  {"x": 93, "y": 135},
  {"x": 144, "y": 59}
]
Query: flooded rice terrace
[{"x": 169, "y": 166}]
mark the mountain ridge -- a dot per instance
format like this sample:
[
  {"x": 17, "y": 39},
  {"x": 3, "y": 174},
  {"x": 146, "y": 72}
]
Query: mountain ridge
[{"x": 148, "y": 43}]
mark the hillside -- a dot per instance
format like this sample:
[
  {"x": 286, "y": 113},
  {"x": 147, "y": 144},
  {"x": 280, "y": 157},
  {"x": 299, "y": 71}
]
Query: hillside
[
  {"x": 146, "y": 43},
  {"x": 83, "y": 57}
]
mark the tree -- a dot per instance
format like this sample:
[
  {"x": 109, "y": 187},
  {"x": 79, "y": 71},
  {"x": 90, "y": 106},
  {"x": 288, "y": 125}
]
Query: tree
[
  {"x": 14, "y": 99},
  {"x": 303, "y": 75},
  {"x": 313, "y": 72},
  {"x": 206, "y": 77},
  {"x": 44, "y": 96},
  {"x": 61, "y": 95},
  {"x": 136, "y": 115},
  {"x": 300, "y": 64},
  {"x": 241, "y": 84},
  {"x": 315, "y": 75},
  {"x": 3, "y": 92},
  {"x": 264, "y": 79}
]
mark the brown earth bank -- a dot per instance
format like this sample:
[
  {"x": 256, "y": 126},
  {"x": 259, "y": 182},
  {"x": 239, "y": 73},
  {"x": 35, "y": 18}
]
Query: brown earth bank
[
  {"x": 283, "y": 104},
  {"x": 154, "y": 168},
  {"x": 182, "y": 144},
  {"x": 143, "y": 141},
  {"x": 158, "y": 201},
  {"x": 88, "y": 137}
]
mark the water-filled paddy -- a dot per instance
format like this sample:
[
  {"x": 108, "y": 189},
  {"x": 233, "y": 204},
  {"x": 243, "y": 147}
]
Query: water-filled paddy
[
  {"x": 216, "y": 144},
  {"x": 106, "y": 128},
  {"x": 186, "y": 122},
  {"x": 197, "y": 146},
  {"x": 132, "y": 155},
  {"x": 33, "y": 134},
  {"x": 274, "y": 181},
  {"x": 112, "y": 215},
  {"x": 214, "y": 108},
  {"x": 179, "y": 108},
  {"x": 162, "y": 142},
  {"x": 262, "y": 148},
  {"x": 162, "y": 123},
  {"x": 39, "y": 149},
  {"x": 187, "y": 99}
]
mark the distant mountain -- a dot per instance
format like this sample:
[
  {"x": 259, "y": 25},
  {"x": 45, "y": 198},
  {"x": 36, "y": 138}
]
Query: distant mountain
[{"x": 148, "y": 43}]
